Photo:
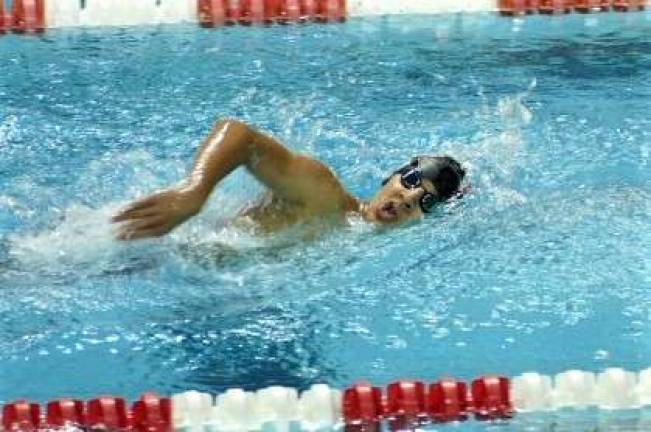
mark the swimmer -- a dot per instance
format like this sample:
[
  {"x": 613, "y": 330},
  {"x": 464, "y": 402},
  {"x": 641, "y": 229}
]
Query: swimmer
[{"x": 301, "y": 189}]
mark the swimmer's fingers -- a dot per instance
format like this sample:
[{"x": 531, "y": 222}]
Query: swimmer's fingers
[
  {"x": 134, "y": 214},
  {"x": 158, "y": 214},
  {"x": 150, "y": 227},
  {"x": 142, "y": 208}
]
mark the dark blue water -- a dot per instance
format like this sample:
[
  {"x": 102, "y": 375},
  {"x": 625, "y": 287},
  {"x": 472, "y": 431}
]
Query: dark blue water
[{"x": 546, "y": 266}]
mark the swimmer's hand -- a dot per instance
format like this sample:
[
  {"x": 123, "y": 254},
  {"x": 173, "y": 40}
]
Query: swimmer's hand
[{"x": 158, "y": 214}]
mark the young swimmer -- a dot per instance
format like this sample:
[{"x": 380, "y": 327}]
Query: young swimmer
[{"x": 300, "y": 188}]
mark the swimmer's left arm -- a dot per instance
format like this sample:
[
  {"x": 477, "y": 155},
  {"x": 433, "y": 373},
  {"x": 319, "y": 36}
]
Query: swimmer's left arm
[
  {"x": 291, "y": 176},
  {"x": 158, "y": 214},
  {"x": 231, "y": 144}
]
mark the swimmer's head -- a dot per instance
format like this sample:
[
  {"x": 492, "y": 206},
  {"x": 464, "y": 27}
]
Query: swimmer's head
[{"x": 414, "y": 189}]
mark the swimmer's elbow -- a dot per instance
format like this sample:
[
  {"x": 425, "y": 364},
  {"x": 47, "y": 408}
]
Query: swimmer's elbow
[
  {"x": 235, "y": 132},
  {"x": 234, "y": 125}
]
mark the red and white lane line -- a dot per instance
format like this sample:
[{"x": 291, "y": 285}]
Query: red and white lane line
[
  {"x": 550, "y": 7},
  {"x": 403, "y": 405},
  {"x": 33, "y": 16}
]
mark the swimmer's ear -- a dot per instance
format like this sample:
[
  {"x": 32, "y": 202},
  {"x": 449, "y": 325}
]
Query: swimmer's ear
[{"x": 462, "y": 192}]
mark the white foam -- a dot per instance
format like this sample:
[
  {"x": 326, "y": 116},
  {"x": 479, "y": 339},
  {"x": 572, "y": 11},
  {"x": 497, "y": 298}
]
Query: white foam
[
  {"x": 8, "y": 129},
  {"x": 82, "y": 237},
  {"x": 67, "y": 13}
]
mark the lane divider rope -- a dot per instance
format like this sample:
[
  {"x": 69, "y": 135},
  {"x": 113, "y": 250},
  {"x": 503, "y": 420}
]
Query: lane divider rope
[
  {"x": 214, "y": 13},
  {"x": 30, "y": 16},
  {"x": 403, "y": 404},
  {"x": 552, "y": 7}
]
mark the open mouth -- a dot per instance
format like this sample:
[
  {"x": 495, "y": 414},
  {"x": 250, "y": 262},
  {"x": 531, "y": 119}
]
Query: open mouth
[{"x": 388, "y": 212}]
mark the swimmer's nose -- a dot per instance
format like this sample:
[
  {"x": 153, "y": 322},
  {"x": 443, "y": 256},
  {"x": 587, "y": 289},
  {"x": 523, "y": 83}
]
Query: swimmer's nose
[{"x": 410, "y": 199}]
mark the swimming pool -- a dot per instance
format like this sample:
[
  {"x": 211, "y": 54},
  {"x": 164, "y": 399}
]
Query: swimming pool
[{"x": 545, "y": 267}]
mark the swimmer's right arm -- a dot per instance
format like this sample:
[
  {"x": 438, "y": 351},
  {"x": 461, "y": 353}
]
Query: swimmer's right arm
[{"x": 230, "y": 145}]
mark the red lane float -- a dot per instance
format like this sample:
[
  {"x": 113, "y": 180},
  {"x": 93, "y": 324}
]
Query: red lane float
[
  {"x": 308, "y": 9},
  {"x": 289, "y": 11},
  {"x": 233, "y": 12},
  {"x": 586, "y": 6},
  {"x": 252, "y": 12},
  {"x": 491, "y": 397},
  {"x": 4, "y": 19},
  {"x": 406, "y": 399},
  {"x": 621, "y": 5},
  {"x": 107, "y": 413},
  {"x": 212, "y": 13},
  {"x": 448, "y": 400},
  {"x": 271, "y": 11},
  {"x": 29, "y": 16},
  {"x": 330, "y": 10},
  {"x": 525, "y": 7},
  {"x": 21, "y": 416},
  {"x": 629, "y": 5},
  {"x": 517, "y": 7},
  {"x": 549, "y": 7},
  {"x": 65, "y": 412},
  {"x": 152, "y": 414},
  {"x": 362, "y": 405},
  {"x": 531, "y": 6},
  {"x": 406, "y": 406}
]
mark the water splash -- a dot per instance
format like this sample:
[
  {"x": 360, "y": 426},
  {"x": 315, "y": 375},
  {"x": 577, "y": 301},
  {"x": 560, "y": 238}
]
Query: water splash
[{"x": 82, "y": 238}]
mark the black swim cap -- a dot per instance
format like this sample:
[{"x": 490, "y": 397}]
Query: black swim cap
[{"x": 443, "y": 171}]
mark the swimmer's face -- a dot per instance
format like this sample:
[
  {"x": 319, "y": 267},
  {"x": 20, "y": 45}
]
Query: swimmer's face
[{"x": 395, "y": 204}]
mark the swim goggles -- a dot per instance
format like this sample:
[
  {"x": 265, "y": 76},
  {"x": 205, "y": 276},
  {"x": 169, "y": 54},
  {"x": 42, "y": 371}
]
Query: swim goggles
[
  {"x": 412, "y": 175},
  {"x": 412, "y": 178}
]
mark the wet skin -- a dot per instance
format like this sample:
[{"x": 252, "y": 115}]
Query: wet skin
[{"x": 301, "y": 188}]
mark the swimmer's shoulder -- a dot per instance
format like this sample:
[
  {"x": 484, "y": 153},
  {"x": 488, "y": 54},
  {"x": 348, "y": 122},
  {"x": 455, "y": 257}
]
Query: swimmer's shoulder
[{"x": 325, "y": 191}]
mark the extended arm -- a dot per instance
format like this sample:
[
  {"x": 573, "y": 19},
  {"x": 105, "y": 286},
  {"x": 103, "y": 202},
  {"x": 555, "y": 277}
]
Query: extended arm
[{"x": 231, "y": 144}]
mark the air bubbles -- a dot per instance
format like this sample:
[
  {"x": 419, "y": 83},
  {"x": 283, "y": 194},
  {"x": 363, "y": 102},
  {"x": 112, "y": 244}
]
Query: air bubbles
[
  {"x": 601, "y": 355},
  {"x": 396, "y": 342}
]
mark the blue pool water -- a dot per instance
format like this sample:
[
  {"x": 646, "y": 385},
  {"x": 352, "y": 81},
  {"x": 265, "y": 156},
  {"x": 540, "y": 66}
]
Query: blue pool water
[{"x": 546, "y": 266}]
